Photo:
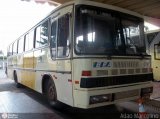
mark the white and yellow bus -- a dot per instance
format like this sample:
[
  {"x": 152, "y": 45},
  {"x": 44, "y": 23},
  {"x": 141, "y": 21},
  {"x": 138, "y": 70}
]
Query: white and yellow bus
[
  {"x": 153, "y": 40},
  {"x": 150, "y": 38},
  {"x": 83, "y": 54}
]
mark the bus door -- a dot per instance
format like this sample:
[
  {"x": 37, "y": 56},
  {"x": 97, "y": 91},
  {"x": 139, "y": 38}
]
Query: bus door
[{"x": 61, "y": 27}]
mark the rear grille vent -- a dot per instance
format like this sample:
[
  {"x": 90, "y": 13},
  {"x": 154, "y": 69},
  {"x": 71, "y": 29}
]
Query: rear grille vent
[
  {"x": 114, "y": 80},
  {"x": 125, "y": 64},
  {"x": 138, "y": 70},
  {"x": 123, "y": 71},
  {"x": 130, "y": 71},
  {"x": 114, "y": 71}
]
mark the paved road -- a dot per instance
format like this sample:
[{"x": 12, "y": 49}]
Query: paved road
[{"x": 24, "y": 103}]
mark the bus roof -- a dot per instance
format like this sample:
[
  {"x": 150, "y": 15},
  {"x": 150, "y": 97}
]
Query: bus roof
[
  {"x": 85, "y": 2},
  {"x": 92, "y": 3}
]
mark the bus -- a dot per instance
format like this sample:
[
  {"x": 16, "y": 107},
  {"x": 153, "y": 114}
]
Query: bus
[
  {"x": 82, "y": 54},
  {"x": 153, "y": 40},
  {"x": 150, "y": 36}
]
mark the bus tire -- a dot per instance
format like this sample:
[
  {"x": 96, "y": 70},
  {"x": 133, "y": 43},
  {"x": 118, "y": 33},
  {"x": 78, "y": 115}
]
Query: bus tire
[
  {"x": 51, "y": 93},
  {"x": 18, "y": 85}
]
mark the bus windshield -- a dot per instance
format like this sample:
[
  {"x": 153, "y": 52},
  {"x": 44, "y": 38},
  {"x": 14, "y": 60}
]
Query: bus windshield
[{"x": 105, "y": 32}]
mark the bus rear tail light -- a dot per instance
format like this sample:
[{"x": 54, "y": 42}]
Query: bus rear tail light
[
  {"x": 100, "y": 98},
  {"x": 86, "y": 73}
]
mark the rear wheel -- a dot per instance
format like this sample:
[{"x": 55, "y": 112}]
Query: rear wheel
[
  {"x": 51, "y": 93},
  {"x": 18, "y": 85}
]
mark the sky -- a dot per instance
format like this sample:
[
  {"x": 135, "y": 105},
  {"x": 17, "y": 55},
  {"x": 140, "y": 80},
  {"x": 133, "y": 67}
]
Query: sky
[{"x": 16, "y": 17}]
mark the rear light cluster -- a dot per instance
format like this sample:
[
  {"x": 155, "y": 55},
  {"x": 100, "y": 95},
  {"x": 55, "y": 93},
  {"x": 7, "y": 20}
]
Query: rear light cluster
[
  {"x": 100, "y": 98},
  {"x": 86, "y": 73},
  {"x": 146, "y": 91}
]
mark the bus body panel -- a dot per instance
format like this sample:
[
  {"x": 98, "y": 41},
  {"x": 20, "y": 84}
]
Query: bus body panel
[{"x": 102, "y": 67}]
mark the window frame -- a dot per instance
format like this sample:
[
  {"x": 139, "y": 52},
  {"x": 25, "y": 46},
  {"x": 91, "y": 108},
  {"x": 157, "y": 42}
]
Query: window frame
[
  {"x": 56, "y": 20},
  {"x": 13, "y": 48},
  {"x": 69, "y": 36},
  {"x": 10, "y": 48},
  {"x": 121, "y": 15},
  {"x": 35, "y": 34},
  {"x": 25, "y": 40},
  {"x": 155, "y": 53},
  {"x": 22, "y": 39}
]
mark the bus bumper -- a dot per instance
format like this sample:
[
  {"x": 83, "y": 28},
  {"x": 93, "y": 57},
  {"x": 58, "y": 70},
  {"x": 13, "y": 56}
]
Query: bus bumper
[{"x": 84, "y": 98}]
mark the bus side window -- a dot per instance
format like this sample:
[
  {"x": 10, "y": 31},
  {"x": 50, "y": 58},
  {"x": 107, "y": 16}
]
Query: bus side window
[
  {"x": 42, "y": 35},
  {"x": 21, "y": 45},
  {"x": 63, "y": 37},
  {"x": 9, "y": 53},
  {"x": 157, "y": 51},
  {"x": 53, "y": 39},
  {"x": 29, "y": 41},
  {"x": 15, "y": 48}
]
